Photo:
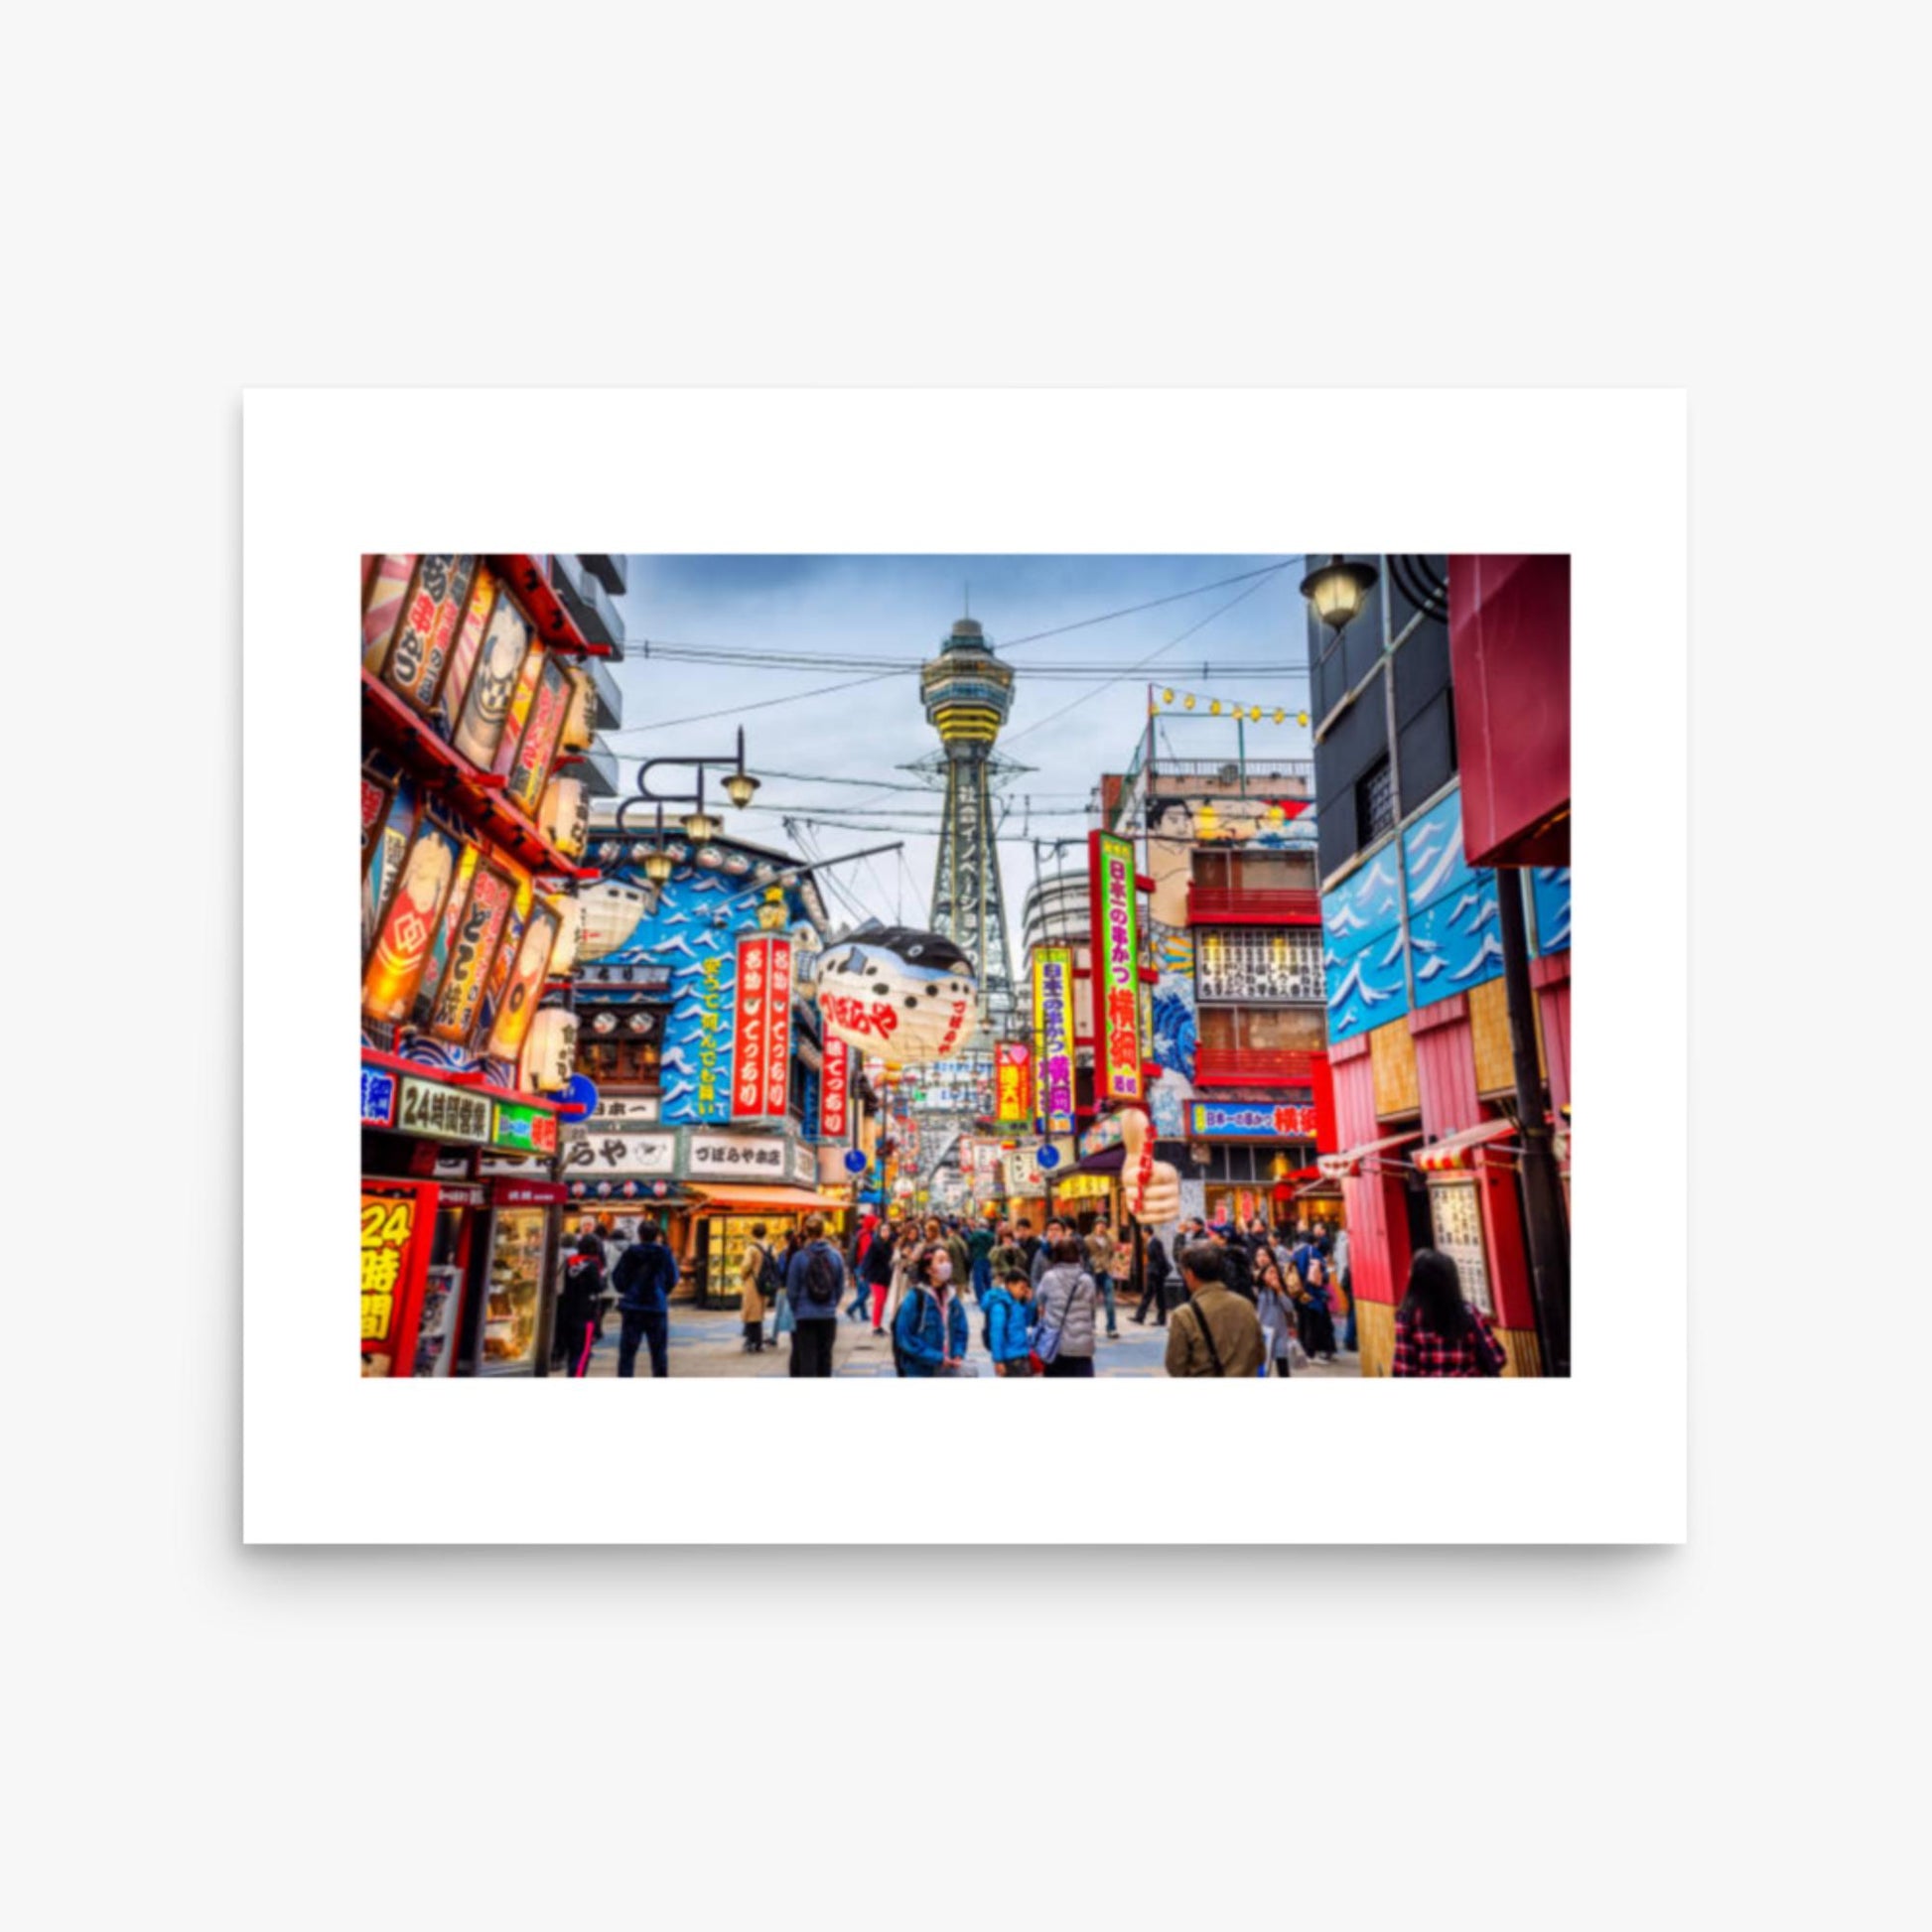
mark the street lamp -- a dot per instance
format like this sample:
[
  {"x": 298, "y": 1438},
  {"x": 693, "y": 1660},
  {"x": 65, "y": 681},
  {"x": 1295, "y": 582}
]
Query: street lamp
[
  {"x": 772, "y": 915},
  {"x": 1338, "y": 590},
  {"x": 739, "y": 787},
  {"x": 699, "y": 826}
]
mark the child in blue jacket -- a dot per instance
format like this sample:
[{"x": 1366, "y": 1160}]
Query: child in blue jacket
[
  {"x": 1008, "y": 1331},
  {"x": 929, "y": 1331}
]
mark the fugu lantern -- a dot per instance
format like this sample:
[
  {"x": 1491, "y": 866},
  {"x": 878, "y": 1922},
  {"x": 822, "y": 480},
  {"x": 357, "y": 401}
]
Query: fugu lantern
[
  {"x": 550, "y": 1053},
  {"x": 610, "y": 913},
  {"x": 1153, "y": 1187},
  {"x": 904, "y": 995},
  {"x": 564, "y": 817}
]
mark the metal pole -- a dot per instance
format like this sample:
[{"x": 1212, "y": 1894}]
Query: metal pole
[{"x": 1542, "y": 1216}]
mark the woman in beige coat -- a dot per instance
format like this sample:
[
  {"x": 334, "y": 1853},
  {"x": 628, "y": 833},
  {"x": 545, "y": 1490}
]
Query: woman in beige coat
[{"x": 750, "y": 1280}]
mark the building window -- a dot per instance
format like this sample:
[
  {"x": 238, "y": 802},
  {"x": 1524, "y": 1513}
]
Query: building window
[
  {"x": 1374, "y": 803},
  {"x": 1260, "y": 963}
]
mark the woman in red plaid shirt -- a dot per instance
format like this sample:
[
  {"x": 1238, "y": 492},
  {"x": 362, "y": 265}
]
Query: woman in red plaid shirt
[{"x": 1437, "y": 1332}]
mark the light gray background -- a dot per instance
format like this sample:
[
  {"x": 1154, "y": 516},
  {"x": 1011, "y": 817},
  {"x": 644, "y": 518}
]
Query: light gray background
[{"x": 1477, "y": 194}]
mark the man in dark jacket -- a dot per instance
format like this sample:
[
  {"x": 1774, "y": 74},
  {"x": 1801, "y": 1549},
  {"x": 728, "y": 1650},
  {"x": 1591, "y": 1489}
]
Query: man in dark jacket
[
  {"x": 1237, "y": 1271},
  {"x": 1154, "y": 1290},
  {"x": 645, "y": 1276},
  {"x": 814, "y": 1283}
]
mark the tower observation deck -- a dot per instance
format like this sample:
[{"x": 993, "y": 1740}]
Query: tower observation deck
[{"x": 967, "y": 692}]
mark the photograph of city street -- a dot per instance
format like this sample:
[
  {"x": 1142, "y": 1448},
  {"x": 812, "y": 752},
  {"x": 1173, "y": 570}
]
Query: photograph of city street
[{"x": 965, "y": 967}]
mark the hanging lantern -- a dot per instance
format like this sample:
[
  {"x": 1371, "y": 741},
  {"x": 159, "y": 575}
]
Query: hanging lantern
[
  {"x": 1166, "y": 697},
  {"x": 1280, "y": 715},
  {"x": 580, "y": 710},
  {"x": 1188, "y": 703},
  {"x": 1301, "y": 717},
  {"x": 1254, "y": 713},
  {"x": 1338, "y": 590},
  {"x": 550, "y": 1052},
  {"x": 906, "y": 995},
  {"x": 570, "y": 935},
  {"x": 564, "y": 817}
]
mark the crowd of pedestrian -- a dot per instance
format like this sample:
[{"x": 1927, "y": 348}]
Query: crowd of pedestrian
[{"x": 1235, "y": 1299}]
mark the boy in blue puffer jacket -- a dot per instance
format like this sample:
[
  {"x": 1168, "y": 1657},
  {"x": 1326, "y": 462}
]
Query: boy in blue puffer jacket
[
  {"x": 1009, "y": 1335},
  {"x": 929, "y": 1331}
]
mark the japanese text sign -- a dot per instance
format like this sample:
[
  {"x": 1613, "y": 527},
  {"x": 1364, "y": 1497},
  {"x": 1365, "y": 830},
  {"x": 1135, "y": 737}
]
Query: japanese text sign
[
  {"x": 761, "y": 1030},
  {"x": 833, "y": 1089},
  {"x": 1117, "y": 1040},
  {"x": 1054, "y": 1035},
  {"x": 1013, "y": 1065}
]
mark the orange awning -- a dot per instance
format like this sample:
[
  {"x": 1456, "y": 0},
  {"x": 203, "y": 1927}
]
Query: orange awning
[
  {"x": 774, "y": 1200},
  {"x": 1454, "y": 1152}
]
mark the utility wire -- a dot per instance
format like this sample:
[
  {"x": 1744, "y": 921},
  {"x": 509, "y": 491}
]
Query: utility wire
[{"x": 1027, "y": 731}]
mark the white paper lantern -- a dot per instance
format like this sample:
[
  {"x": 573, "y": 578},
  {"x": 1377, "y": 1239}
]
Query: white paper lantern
[
  {"x": 564, "y": 817},
  {"x": 570, "y": 935},
  {"x": 579, "y": 711},
  {"x": 550, "y": 1053}
]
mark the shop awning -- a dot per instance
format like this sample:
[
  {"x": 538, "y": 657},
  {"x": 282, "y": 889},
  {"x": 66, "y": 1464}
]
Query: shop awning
[
  {"x": 1454, "y": 1152},
  {"x": 1345, "y": 1166},
  {"x": 1110, "y": 1160},
  {"x": 772, "y": 1200}
]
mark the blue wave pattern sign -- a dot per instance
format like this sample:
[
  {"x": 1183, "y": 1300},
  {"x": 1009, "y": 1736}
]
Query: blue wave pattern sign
[
  {"x": 1448, "y": 942},
  {"x": 1361, "y": 929},
  {"x": 685, "y": 933},
  {"x": 1549, "y": 897}
]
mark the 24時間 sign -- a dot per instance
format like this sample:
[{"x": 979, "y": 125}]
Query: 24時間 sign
[
  {"x": 761, "y": 1030},
  {"x": 1116, "y": 968},
  {"x": 1054, "y": 1035},
  {"x": 833, "y": 1089}
]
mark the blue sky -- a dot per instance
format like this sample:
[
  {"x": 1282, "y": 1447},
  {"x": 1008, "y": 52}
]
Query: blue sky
[{"x": 903, "y": 607}]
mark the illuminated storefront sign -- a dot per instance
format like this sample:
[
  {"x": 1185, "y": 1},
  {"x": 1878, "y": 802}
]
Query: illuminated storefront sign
[
  {"x": 520, "y": 997},
  {"x": 1116, "y": 968},
  {"x": 529, "y": 1130},
  {"x": 761, "y": 1030},
  {"x": 395, "y": 1253},
  {"x": 473, "y": 949},
  {"x": 834, "y": 1088},
  {"x": 378, "y": 1097},
  {"x": 1251, "y": 1121},
  {"x": 442, "y": 1113},
  {"x": 1013, "y": 1063},
  {"x": 1054, "y": 1035}
]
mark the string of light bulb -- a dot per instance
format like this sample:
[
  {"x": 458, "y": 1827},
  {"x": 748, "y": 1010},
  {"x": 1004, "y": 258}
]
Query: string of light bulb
[{"x": 1168, "y": 699}]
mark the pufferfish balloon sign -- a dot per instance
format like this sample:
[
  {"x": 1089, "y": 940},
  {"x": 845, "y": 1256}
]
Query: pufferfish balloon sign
[{"x": 901, "y": 994}]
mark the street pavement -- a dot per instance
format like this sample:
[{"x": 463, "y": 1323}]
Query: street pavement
[{"x": 706, "y": 1341}]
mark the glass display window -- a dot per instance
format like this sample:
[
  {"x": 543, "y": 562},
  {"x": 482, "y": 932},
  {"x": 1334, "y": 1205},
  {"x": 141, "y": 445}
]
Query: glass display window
[
  {"x": 514, "y": 1292},
  {"x": 730, "y": 1240}
]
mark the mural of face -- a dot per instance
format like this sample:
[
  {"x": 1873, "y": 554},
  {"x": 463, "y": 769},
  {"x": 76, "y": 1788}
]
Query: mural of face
[{"x": 905, "y": 994}]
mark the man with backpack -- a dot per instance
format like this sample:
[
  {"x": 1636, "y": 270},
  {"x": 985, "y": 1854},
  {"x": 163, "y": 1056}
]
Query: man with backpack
[
  {"x": 1214, "y": 1331},
  {"x": 814, "y": 1286},
  {"x": 645, "y": 1276}
]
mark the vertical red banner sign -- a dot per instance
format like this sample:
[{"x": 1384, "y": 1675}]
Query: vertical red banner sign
[
  {"x": 778, "y": 1056},
  {"x": 751, "y": 1029},
  {"x": 1116, "y": 969},
  {"x": 834, "y": 1086}
]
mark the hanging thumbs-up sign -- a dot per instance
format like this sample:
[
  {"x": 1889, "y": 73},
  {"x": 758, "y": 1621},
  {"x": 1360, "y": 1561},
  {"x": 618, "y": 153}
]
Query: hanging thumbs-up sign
[{"x": 1153, "y": 1186}]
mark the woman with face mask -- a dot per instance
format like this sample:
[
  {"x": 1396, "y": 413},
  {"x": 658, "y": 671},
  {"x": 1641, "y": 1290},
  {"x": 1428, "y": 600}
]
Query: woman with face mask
[{"x": 929, "y": 1331}]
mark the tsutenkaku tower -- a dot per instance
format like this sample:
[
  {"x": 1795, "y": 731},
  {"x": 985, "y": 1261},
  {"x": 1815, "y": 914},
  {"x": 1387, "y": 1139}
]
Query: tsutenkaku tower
[{"x": 968, "y": 692}]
